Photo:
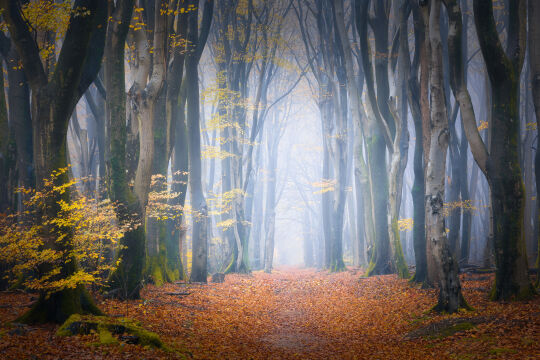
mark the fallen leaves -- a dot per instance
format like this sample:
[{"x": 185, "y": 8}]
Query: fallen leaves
[{"x": 299, "y": 314}]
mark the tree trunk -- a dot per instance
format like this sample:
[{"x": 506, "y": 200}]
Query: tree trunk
[
  {"x": 198, "y": 202},
  {"x": 534, "y": 58},
  {"x": 53, "y": 100},
  {"x": 128, "y": 275},
  {"x": 502, "y": 166},
  {"x": 450, "y": 298}
]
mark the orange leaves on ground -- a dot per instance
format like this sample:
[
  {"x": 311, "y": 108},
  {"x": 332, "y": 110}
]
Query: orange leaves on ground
[{"x": 302, "y": 314}]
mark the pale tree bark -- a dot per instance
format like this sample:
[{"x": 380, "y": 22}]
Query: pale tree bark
[
  {"x": 450, "y": 298},
  {"x": 425, "y": 71},
  {"x": 144, "y": 94},
  {"x": 360, "y": 122}
]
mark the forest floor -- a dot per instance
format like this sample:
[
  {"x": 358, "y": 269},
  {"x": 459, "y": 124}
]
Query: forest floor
[{"x": 295, "y": 314}]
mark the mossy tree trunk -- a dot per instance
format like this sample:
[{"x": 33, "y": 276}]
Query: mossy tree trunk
[
  {"x": 127, "y": 277},
  {"x": 53, "y": 100},
  {"x": 501, "y": 165}
]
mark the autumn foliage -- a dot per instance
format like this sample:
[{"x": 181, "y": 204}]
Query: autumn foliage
[{"x": 297, "y": 314}]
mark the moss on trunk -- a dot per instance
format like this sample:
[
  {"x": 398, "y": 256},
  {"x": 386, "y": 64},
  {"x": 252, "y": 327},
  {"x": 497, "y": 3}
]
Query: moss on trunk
[{"x": 59, "y": 306}]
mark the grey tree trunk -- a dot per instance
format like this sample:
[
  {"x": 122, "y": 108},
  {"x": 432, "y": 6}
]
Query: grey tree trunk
[
  {"x": 450, "y": 298},
  {"x": 198, "y": 202}
]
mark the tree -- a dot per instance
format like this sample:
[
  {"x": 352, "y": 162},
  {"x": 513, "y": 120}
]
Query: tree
[
  {"x": 53, "y": 100},
  {"x": 450, "y": 298},
  {"x": 534, "y": 59},
  {"x": 501, "y": 163},
  {"x": 414, "y": 98},
  {"x": 16, "y": 146},
  {"x": 196, "y": 45},
  {"x": 387, "y": 254},
  {"x": 128, "y": 276}
]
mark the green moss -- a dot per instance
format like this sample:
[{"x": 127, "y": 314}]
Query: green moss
[
  {"x": 107, "y": 327},
  {"x": 399, "y": 258},
  {"x": 501, "y": 350},
  {"x": 451, "y": 330},
  {"x": 60, "y": 306},
  {"x": 370, "y": 271},
  {"x": 105, "y": 336}
]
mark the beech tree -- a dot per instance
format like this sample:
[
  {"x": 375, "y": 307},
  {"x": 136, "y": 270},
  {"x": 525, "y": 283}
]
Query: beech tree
[
  {"x": 450, "y": 297},
  {"x": 54, "y": 97},
  {"x": 534, "y": 59},
  {"x": 500, "y": 163},
  {"x": 196, "y": 45},
  {"x": 128, "y": 276}
]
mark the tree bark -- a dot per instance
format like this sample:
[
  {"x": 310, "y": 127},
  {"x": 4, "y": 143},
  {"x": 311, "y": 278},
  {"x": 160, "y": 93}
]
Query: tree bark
[
  {"x": 534, "y": 59},
  {"x": 199, "y": 270},
  {"x": 450, "y": 298},
  {"x": 501, "y": 165},
  {"x": 128, "y": 275},
  {"x": 53, "y": 100}
]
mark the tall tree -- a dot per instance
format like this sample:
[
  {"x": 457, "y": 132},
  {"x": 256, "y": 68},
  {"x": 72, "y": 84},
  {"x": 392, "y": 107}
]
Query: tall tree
[
  {"x": 53, "y": 99},
  {"x": 418, "y": 188},
  {"x": 196, "y": 45},
  {"x": 534, "y": 59},
  {"x": 126, "y": 279},
  {"x": 387, "y": 254},
  {"x": 501, "y": 164},
  {"x": 450, "y": 297}
]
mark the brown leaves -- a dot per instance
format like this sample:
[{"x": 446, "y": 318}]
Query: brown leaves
[{"x": 301, "y": 314}]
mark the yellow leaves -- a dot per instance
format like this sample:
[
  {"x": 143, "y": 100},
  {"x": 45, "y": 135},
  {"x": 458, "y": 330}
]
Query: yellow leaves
[
  {"x": 48, "y": 15},
  {"x": 325, "y": 185},
  {"x": 405, "y": 224},
  {"x": 531, "y": 126},
  {"x": 214, "y": 152},
  {"x": 160, "y": 206},
  {"x": 82, "y": 231},
  {"x": 226, "y": 224},
  {"x": 483, "y": 125},
  {"x": 465, "y": 205}
]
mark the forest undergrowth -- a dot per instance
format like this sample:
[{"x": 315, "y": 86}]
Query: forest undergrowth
[{"x": 294, "y": 314}]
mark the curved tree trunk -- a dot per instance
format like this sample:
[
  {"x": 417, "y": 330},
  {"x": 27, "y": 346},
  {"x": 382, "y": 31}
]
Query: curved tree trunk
[{"x": 501, "y": 165}]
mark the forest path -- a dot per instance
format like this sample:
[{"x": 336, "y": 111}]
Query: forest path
[
  {"x": 307, "y": 314},
  {"x": 294, "y": 314},
  {"x": 291, "y": 314}
]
